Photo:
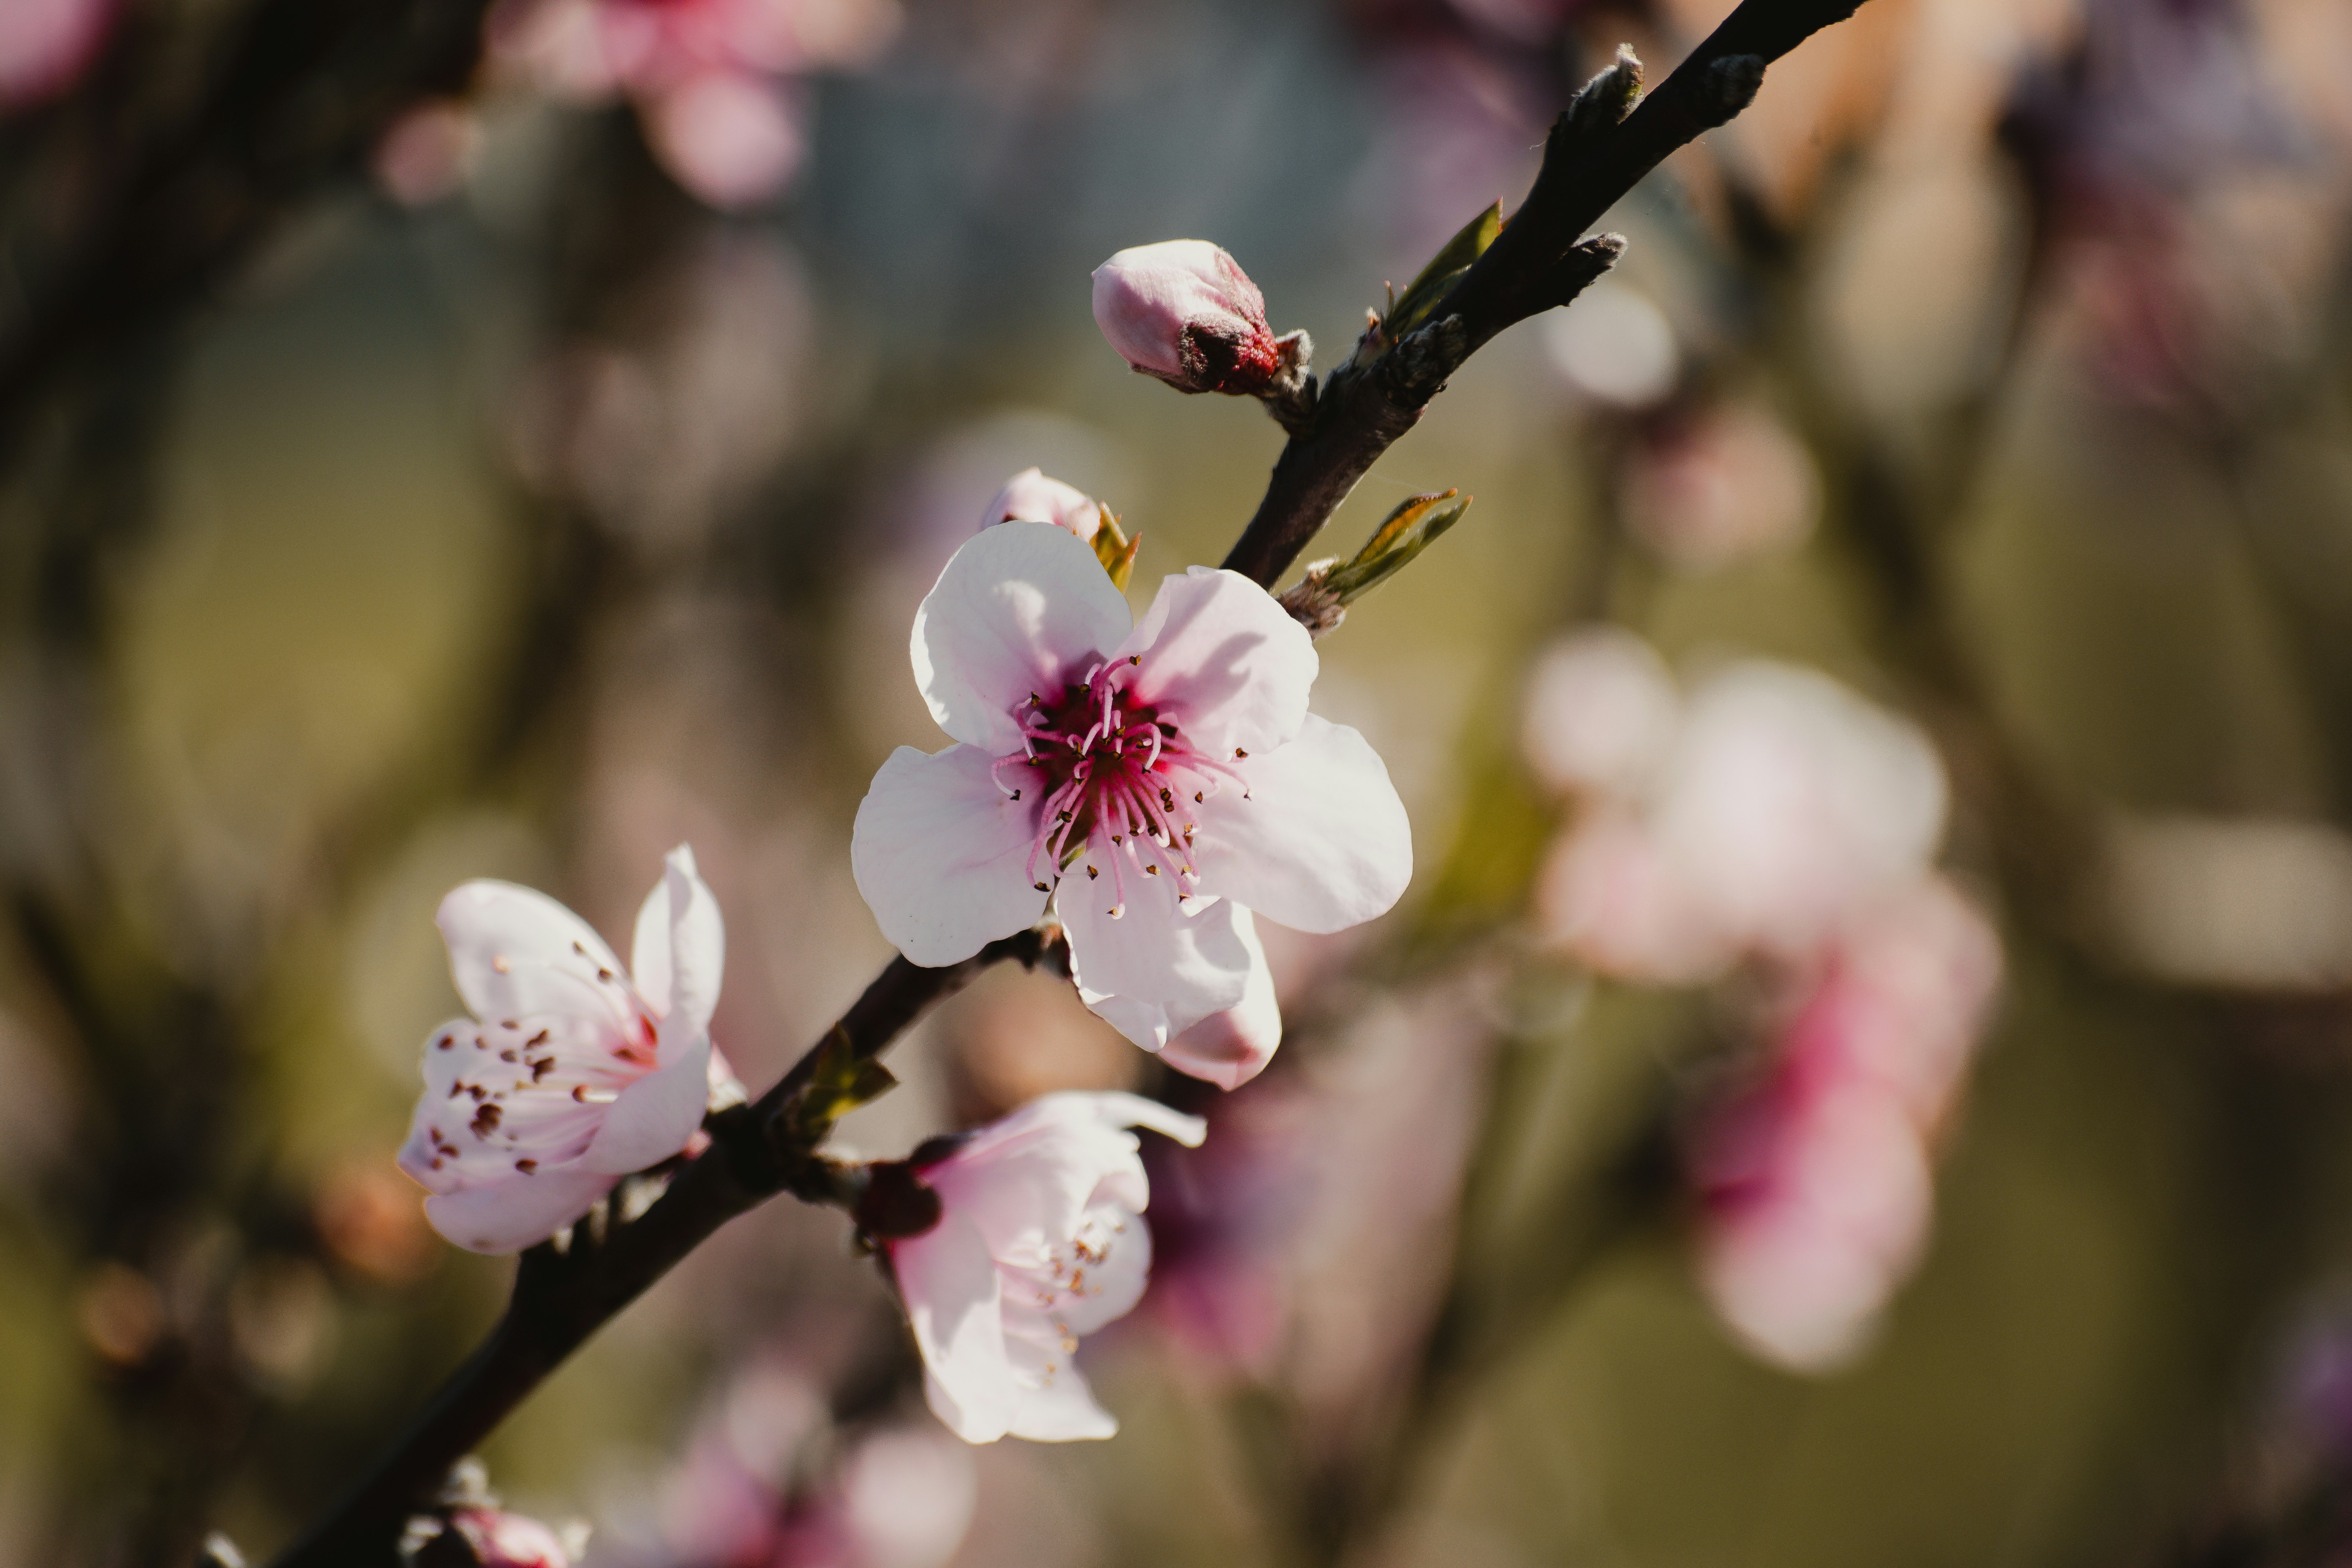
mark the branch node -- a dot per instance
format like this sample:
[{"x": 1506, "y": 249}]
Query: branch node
[
  {"x": 1604, "y": 101},
  {"x": 1728, "y": 86},
  {"x": 1415, "y": 370},
  {"x": 1570, "y": 276}
]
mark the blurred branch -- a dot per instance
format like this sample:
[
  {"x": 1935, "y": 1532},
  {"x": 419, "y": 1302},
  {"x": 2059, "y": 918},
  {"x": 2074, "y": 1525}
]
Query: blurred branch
[
  {"x": 1591, "y": 159},
  {"x": 563, "y": 1297},
  {"x": 295, "y": 98}
]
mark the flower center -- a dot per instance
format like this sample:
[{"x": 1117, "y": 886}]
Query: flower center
[{"x": 1116, "y": 782}]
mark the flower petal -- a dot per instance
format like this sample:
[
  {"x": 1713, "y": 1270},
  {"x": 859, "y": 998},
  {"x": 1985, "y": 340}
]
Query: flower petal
[
  {"x": 1056, "y": 1406},
  {"x": 1156, "y": 971},
  {"x": 1319, "y": 842},
  {"x": 680, "y": 952},
  {"x": 1018, "y": 608},
  {"x": 955, "y": 1300},
  {"x": 1231, "y": 1047},
  {"x": 942, "y": 856},
  {"x": 515, "y": 952},
  {"x": 655, "y": 1116},
  {"x": 1225, "y": 660},
  {"x": 517, "y": 1212}
]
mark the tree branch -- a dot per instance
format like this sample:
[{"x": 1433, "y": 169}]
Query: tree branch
[
  {"x": 1591, "y": 159},
  {"x": 561, "y": 1297}
]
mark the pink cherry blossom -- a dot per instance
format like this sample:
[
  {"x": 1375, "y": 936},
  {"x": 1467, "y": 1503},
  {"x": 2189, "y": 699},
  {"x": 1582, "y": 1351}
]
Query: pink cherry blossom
[
  {"x": 45, "y": 44},
  {"x": 1040, "y": 1241},
  {"x": 572, "y": 1073},
  {"x": 1816, "y": 1181},
  {"x": 1030, "y": 495},
  {"x": 503, "y": 1540},
  {"x": 1160, "y": 779},
  {"x": 1185, "y": 311}
]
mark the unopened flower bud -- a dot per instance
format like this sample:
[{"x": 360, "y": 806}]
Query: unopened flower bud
[
  {"x": 1185, "y": 311},
  {"x": 1030, "y": 496}
]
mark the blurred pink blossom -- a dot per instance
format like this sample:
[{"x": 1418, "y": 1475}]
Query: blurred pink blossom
[
  {"x": 503, "y": 1540},
  {"x": 1815, "y": 1182},
  {"x": 1029, "y": 496},
  {"x": 707, "y": 76},
  {"x": 1040, "y": 1241},
  {"x": 423, "y": 157},
  {"x": 1720, "y": 486},
  {"x": 1778, "y": 804},
  {"x": 1183, "y": 310},
  {"x": 1173, "y": 761},
  {"x": 46, "y": 44},
  {"x": 572, "y": 1073}
]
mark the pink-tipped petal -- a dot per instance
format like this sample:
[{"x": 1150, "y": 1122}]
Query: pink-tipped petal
[
  {"x": 1018, "y": 608},
  {"x": 941, "y": 855},
  {"x": 1318, "y": 843},
  {"x": 1029, "y": 496}
]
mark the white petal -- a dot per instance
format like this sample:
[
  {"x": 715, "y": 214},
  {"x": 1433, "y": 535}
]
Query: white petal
[
  {"x": 955, "y": 1302},
  {"x": 514, "y": 951},
  {"x": 1225, "y": 660},
  {"x": 519, "y": 1211},
  {"x": 1064, "y": 1410},
  {"x": 655, "y": 1116},
  {"x": 1156, "y": 971},
  {"x": 1112, "y": 1285},
  {"x": 680, "y": 951},
  {"x": 942, "y": 856},
  {"x": 1116, "y": 1108},
  {"x": 1019, "y": 608},
  {"x": 1319, "y": 842},
  {"x": 1231, "y": 1047}
]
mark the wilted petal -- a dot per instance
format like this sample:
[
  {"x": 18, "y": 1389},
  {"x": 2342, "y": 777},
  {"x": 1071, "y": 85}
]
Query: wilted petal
[
  {"x": 1319, "y": 842},
  {"x": 1018, "y": 608},
  {"x": 1226, "y": 662},
  {"x": 942, "y": 856}
]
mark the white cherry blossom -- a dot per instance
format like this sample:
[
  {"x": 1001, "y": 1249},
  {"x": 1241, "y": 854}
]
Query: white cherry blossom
[
  {"x": 1040, "y": 1241},
  {"x": 1159, "y": 779},
  {"x": 572, "y": 1072}
]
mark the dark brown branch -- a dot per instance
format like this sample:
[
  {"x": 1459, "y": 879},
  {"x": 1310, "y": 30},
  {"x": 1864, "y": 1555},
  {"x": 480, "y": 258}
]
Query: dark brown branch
[
  {"x": 561, "y": 1297},
  {"x": 1590, "y": 161}
]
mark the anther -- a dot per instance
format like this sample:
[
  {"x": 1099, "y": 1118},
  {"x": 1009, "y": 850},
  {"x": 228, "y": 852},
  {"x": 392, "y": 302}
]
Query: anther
[
  {"x": 1239, "y": 754},
  {"x": 1041, "y": 886},
  {"x": 1092, "y": 873}
]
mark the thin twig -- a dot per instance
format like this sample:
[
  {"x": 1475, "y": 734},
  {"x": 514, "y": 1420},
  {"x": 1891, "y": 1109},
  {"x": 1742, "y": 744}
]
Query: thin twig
[{"x": 1591, "y": 161}]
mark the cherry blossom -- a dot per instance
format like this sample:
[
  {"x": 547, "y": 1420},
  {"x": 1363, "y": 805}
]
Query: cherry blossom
[
  {"x": 44, "y": 45},
  {"x": 710, "y": 78},
  {"x": 1159, "y": 779},
  {"x": 1030, "y": 495},
  {"x": 503, "y": 1540},
  {"x": 1815, "y": 1182},
  {"x": 572, "y": 1073},
  {"x": 1184, "y": 311},
  {"x": 1040, "y": 1241}
]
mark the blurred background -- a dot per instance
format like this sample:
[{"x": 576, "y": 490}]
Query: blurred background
[{"x": 1863, "y": 1074}]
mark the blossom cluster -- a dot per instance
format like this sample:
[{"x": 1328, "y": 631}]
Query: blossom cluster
[{"x": 1773, "y": 820}]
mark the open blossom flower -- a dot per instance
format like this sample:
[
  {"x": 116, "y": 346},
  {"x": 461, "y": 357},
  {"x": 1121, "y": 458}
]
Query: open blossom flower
[
  {"x": 1040, "y": 1240},
  {"x": 572, "y": 1073},
  {"x": 1029, "y": 496},
  {"x": 1159, "y": 779},
  {"x": 1185, "y": 311},
  {"x": 1815, "y": 1182}
]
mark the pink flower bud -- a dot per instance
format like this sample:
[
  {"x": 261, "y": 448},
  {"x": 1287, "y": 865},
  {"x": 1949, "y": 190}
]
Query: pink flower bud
[
  {"x": 1185, "y": 311},
  {"x": 1030, "y": 496},
  {"x": 502, "y": 1540}
]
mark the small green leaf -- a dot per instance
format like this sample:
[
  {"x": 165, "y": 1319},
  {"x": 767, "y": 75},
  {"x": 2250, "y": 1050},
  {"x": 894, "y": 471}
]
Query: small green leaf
[
  {"x": 1116, "y": 550},
  {"x": 1426, "y": 292},
  {"x": 1410, "y": 528},
  {"x": 842, "y": 1079}
]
